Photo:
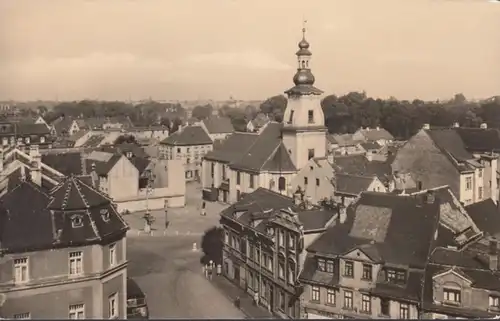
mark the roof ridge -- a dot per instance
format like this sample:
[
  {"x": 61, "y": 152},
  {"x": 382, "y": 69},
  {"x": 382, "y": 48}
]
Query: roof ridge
[
  {"x": 80, "y": 192},
  {"x": 271, "y": 155},
  {"x": 92, "y": 224},
  {"x": 66, "y": 196}
]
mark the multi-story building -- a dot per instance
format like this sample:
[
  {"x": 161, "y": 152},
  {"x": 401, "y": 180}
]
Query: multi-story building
[
  {"x": 25, "y": 134},
  {"x": 404, "y": 256},
  {"x": 63, "y": 254},
  {"x": 271, "y": 158},
  {"x": 189, "y": 144},
  {"x": 440, "y": 156},
  {"x": 217, "y": 127},
  {"x": 265, "y": 234},
  {"x": 373, "y": 135}
]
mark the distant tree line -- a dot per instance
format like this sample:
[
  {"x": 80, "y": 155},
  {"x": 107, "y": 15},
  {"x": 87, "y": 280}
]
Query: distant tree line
[{"x": 343, "y": 114}]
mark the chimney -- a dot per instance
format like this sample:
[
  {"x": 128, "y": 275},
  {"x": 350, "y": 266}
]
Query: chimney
[
  {"x": 369, "y": 156},
  {"x": 484, "y": 126},
  {"x": 297, "y": 199},
  {"x": 430, "y": 197},
  {"x": 36, "y": 163},
  {"x": 493, "y": 256},
  {"x": 308, "y": 203},
  {"x": 426, "y": 126},
  {"x": 329, "y": 158},
  {"x": 456, "y": 125},
  {"x": 93, "y": 176},
  {"x": 342, "y": 214}
]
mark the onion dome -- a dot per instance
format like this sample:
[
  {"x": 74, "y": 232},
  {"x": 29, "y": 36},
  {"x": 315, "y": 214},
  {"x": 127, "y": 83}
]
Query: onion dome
[{"x": 303, "y": 77}]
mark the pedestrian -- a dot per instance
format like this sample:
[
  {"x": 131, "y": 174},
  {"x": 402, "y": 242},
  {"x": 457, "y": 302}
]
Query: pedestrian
[
  {"x": 237, "y": 302},
  {"x": 256, "y": 298},
  {"x": 219, "y": 269},
  {"x": 210, "y": 271},
  {"x": 206, "y": 271}
]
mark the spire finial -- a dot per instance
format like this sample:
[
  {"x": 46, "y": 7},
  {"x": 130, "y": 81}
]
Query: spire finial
[{"x": 304, "y": 22}]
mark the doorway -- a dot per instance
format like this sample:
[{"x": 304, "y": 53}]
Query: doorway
[
  {"x": 271, "y": 297},
  {"x": 237, "y": 273}
]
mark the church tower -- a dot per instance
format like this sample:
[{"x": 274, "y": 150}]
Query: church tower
[{"x": 304, "y": 131}]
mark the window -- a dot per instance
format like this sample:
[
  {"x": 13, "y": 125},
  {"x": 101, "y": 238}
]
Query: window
[
  {"x": 404, "y": 311},
  {"x": 238, "y": 195},
  {"x": 112, "y": 255},
  {"x": 281, "y": 237},
  {"x": 310, "y": 116},
  {"x": 291, "y": 273},
  {"x": 367, "y": 272},
  {"x": 468, "y": 183},
  {"x": 290, "y": 120},
  {"x": 291, "y": 241},
  {"x": 270, "y": 265},
  {"x": 281, "y": 270},
  {"x": 21, "y": 270},
  {"x": 251, "y": 183},
  {"x": 27, "y": 140},
  {"x": 329, "y": 266},
  {"x": 75, "y": 263},
  {"x": 282, "y": 300},
  {"x": 384, "y": 306},
  {"x": 494, "y": 302},
  {"x": 480, "y": 193},
  {"x": 187, "y": 150},
  {"x": 76, "y": 221},
  {"x": 480, "y": 173},
  {"x": 310, "y": 153},
  {"x": 5, "y": 141},
  {"x": 330, "y": 296},
  {"x": 226, "y": 237},
  {"x": 452, "y": 295},
  {"x": 77, "y": 311},
  {"x": 188, "y": 160},
  {"x": 305, "y": 180},
  {"x": 238, "y": 178},
  {"x": 321, "y": 265},
  {"x": 347, "y": 299},
  {"x": 366, "y": 303},
  {"x": 113, "y": 306},
  {"x": 212, "y": 169},
  {"x": 315, "y": 294},
  {"x": 395, "y": 276},
  {"x": 178, "y": 150},
  {"x": 317, "y": 181},
  {"x": 22, "y": 316},
  {"x": 349, "y": 269}
]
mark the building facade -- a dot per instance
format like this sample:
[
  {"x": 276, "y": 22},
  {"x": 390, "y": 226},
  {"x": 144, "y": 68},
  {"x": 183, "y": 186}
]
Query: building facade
[
  {"x": 265, "y": 235},
  {"x": 63, "y": 254}
]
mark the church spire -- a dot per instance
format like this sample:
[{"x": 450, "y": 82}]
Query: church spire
[{"x": 303, "y": 79}]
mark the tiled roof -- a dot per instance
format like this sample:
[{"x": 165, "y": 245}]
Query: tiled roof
[
  {"x": 218, "y": 125},
  {"x": 76, "y": 136},
  {"x": 23, "y": 129},
  {"x": 102, "y": 165},
  {"x": 266, "y": 153},
  {"x": 40, "y": 223},
  {"x": 73, "y": 194},
  {"x": 359, "y": 165},
  {"x": 352, "y": 184},
  {"x": 449, "y": 141},
  {"x": 189, "y": 135},
  {"x": 371, "y": 145},
  {"x": 486, "y": 215},
  {"x": 398, "y": 229},
  {"x": 266, "y": 204},
  {"x": 342, "y": 139},
  {"x": 374, "y": 134},
  {"x": 62, "y": 125},
  {"x": 260, "y": 120},
  {"x": 65, "y": 163},
  {"x": 479, "y": 139},
  {"x": 231, "y": 149}
]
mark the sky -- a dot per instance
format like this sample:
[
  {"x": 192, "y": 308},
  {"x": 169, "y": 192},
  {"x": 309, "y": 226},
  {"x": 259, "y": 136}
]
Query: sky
[{"x": 215, "y": 49}]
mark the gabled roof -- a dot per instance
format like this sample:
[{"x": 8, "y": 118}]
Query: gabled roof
[
  {"x": 266, "y": 153},
  {"x": 230, "y": 150},
  {"x": 187, "y": 136},
  {"x": 342, "y": 139},
  {"x": 352, "y": 184},
  {"x": 219, "y": 125},
  {"x": 63, "y": 124},
  {"x": 371, "y": 145},
  {"x": 72, "y": 194},
  {"x": 31, "y": 129},
  {"x": 65, "y": 163},
  {"x": 450, "y": 142},
  {"x": 374, "y": 134},
  {"x": 397, "y": 227},
  {"x": 361, "y": 166},
  {"x": 104, "y": 162}
]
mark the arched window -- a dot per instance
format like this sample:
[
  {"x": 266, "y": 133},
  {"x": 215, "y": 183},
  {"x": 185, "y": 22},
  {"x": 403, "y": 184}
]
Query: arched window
[
  {"x": 307, "y": 64},
  {"x": 76, "y": 221},
  {"x": 281, "y": 183},
  {"x": 303, "y": 64}
]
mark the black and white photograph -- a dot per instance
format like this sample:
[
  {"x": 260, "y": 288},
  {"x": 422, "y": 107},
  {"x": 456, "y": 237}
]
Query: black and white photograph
[{"x": 237, "y": 159}]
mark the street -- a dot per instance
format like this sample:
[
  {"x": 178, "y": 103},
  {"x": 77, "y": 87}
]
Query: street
[{"x": 168, "y": 270}]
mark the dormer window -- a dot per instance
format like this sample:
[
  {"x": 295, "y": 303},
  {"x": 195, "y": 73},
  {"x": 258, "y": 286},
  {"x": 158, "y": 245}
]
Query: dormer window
[
  {"x": 42, "y": 139},
  {"x": 27, "y": 140},
  {"x": 395, "y": 276},
  {"x": 76, "y": 221},
  {"x": 270, "y": 231},
  {"x": 322, "y": 265},
  {"x": 105, "y": 215},
  {"x": 494, "y": 302},
  {"x": 5, "y": 141}
]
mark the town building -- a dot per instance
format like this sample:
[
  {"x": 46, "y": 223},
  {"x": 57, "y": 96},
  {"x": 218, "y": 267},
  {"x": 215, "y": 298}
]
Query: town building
[
  {"x": 189, "y": 145},
  {"x": 64, "y": 127},
  {"x": 400, "y": 257},
  {"x": 63, "y": 253},
  {"x": 344, "y": 144},
  {"x": 256, "y": 124},
  {"x": 265, "y": 234},
  {"x": 439, "y": 156},
  {"x": 373, "y": 135},
  {"x": 24, "y": 135},
  {"x": 217, "y": 127},
  {"x": 271, "y": 158}
]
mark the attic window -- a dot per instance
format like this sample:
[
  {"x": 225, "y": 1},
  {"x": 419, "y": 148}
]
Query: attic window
[
  {"x": 270, "y": 231},
  {"x": 76, "y": 221},
  {"x": 105, "y": 215}
]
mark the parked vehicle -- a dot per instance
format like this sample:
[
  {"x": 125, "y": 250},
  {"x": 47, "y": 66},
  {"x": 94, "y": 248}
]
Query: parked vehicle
[{"x": 137, "y": 307}]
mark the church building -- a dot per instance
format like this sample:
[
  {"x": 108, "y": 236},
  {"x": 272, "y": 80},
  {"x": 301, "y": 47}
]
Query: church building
[{"x": 272, "y": 157}]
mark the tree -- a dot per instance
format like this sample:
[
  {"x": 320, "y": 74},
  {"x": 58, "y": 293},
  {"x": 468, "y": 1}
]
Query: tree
[
  {"x": 211, "y": 245},
  {"x": 175, "y": 124},
  {"x": 202, "y": 112},
  {"x": 274, "y": 107},
  {"x": 42, "y": 110},
  {"x": 129, "y": 139}
]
